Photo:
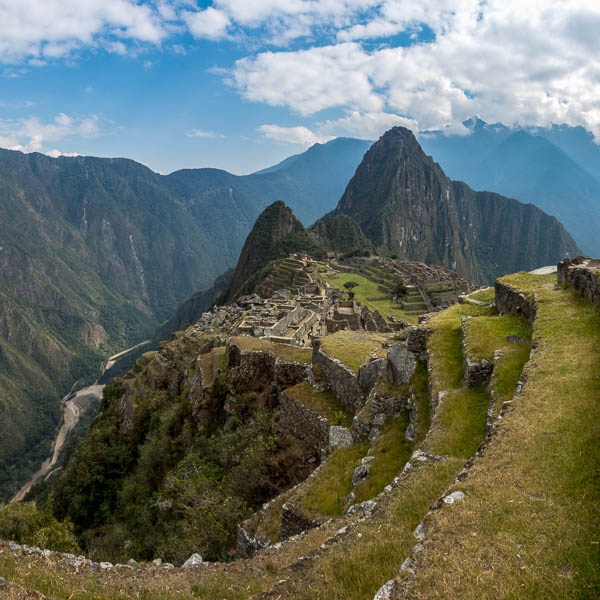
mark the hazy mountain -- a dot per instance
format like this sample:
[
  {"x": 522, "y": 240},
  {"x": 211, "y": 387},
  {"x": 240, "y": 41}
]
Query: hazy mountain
[
  {"x": 550, "y": 167},
  {"x": 95, "y": 253},
  {"x": 406, "y": 206}
]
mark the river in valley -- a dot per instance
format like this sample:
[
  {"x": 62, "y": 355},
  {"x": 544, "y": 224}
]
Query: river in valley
[{"x": 74, "y": 405}]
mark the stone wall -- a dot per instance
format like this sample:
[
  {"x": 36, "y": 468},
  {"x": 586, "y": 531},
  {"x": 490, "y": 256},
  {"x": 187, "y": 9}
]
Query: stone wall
[
  {"x": 293, "y": 522},
  {"x": 511, "y": 300},
  {"x": 583, "y": 275},
  {"x": 416, "y": 340},
  {"x": 305, "y": 424},
  {"x": 339, "y": 378},
  {"x": 477, "y": 372}
]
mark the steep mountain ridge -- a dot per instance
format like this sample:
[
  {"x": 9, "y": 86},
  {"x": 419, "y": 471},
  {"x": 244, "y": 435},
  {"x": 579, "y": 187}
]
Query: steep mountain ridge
[
  {"x": 406, "y": 206},
  {"x": 274, "y": 236},
  {"x": 95, "y": 253},
  {"x": 557, "y": 169}
]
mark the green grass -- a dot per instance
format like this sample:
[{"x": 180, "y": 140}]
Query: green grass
[
  {"x": 526, "y": 281},
  {"x": 529, "y": 526},
  {"x": 391, "y": 451},
  {"x": 354, "y": 348},
  {"x": 355, "y": 568},
  {"x": 485, "y": 335},
  {"x": 326, "y": 493},
  {"x": 325, "y": 404},
  {"x": 459, "y": 422},
  {"x": 446, "y": 345},
  {"x": 485, "y": 295},
  {"x": 368, "y": 289},
  {"x": 420, "y": 388},
  {"x": 283, "y": 351}
]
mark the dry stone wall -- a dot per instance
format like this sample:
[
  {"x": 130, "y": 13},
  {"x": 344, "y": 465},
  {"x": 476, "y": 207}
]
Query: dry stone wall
[
  {"x": 583, "y": 275},
  {"x": 511, "y": 300},
  {"x": 342, "y": 381},
  {"x": 305, "y": 424}
]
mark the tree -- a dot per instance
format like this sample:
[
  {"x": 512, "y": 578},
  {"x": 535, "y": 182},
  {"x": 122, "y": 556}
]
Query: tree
[
  {"x": 400, "y": 290},
  {"x": 350, "y": 284}
]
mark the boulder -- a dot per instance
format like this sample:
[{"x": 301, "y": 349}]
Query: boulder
[
  {"x": 368, "y": 373},
  {"x": 194, "y": 560},
  {"x": 340, "y": 437}
]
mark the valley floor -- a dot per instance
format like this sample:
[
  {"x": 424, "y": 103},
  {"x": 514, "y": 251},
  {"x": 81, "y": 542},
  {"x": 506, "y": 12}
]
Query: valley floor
[{"x": 525, "y": 524}]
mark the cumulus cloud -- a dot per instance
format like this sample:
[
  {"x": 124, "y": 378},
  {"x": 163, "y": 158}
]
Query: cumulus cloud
[
  {"x": 55, "y": 153},
  {"x": 293, "y": 135},
  {"x": 51, "y": 29},
  {"x": 32, "y": 135},
  {"x": 504, "y": 59},
  {"x": 204, "y": 134},
  {"x": 209, "y": 23}
]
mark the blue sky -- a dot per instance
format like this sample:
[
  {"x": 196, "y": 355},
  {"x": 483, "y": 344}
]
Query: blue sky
[{"x": 240, "y": 84}]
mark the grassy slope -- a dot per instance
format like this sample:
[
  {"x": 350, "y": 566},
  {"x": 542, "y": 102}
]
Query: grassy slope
[
  {"x": 529, "y": 525},
  {"x": 528, "y": 528}
]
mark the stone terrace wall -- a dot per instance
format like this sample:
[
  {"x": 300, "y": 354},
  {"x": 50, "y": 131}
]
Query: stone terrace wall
[
  {"x": 511, "y": 300},
  {"x": 305, "y": 424},
  {"x": 583, "y": 275},
  {"x": 342, "y": 380}
]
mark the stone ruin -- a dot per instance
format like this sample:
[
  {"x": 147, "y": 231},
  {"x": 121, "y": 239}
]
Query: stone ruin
[{"x": 583, "y": 275}]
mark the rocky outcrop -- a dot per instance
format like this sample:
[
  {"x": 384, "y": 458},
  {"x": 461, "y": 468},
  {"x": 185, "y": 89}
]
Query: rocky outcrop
[
  {"x": 583, "y": 275},
  {"x": 401, "y": 364}
]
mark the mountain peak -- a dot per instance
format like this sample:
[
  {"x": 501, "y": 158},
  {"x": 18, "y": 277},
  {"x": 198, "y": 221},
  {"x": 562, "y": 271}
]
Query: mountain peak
[
  {"x": 275, "y": 234},
  {"x": 474, "y": 123},
  {"x": 407, "y": 206}
]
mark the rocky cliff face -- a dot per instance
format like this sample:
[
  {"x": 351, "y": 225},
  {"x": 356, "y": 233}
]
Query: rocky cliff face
[{"x": 406, "y": 206}]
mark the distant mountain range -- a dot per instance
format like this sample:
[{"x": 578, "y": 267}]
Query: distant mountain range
[
  {"x": 96, "y": 253},
  {"x": 556, "y": 168}
]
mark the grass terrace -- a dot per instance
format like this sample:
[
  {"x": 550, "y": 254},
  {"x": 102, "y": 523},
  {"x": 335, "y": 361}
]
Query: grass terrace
[
  {"x": 368, "y": 289},
  {"x": 485, "y": 295},
  {"x": 391, "y": 451},
  {"x": 325, "y": 404},
  {"x": 355, "y": 348},
  {"x": 528, "y": 527},
  {"x": 284, "y": 351},
  {"x": 326, "y": 493}
]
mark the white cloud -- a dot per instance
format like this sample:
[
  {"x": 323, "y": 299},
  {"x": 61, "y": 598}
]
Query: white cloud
[
  {"x": 209, "y": 23},
  {"x": 510, "y": 61},
  {"x": 32, "y": 135},
  {"x": 368, "y": 126},
  {"x": 204, "y": 134},
  {"x": 50, "y": 29},
  {"x": 292, "y": 135},
  {"x": 55, "y": 153}
]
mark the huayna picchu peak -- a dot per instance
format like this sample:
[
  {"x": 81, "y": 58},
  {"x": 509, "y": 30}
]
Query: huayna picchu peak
[{"x": 407, "y": 207}]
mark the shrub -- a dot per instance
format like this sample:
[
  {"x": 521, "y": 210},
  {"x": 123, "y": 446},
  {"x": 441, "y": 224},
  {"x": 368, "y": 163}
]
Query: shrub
[{"x": 25, "y": 523}]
